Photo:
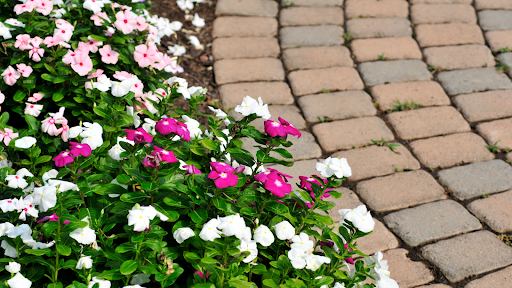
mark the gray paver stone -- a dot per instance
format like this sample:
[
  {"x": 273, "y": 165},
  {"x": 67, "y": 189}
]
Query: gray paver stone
[
  {"x": 325, "y": 35},
  {"x": 246, "y": 47},
  {"x": 485, "y": 105},
  {"x": 432, "y": 221},
  {"x": 493, "y": 4},
  {"x": 312, "y": 81},
  {"x": 495, "y": 19},
  {"x": 301, "y": 16},
  {"x": 336, "y": 106},
  {"x": 404, "y": 271},
  {"x": 233, "y": 94},
  {"x": 248, "y": 70},
  {"x": 473, "y": 180},
  {"x": 400, "y": 190},
  {"x": 425, "y": 93},
  {"x": 506, "y": 58},
  {"x": 470, "y": 254},
  {"x": 442, "y": 13},
  {"x": 495, "y": 211},
  {"x": 501, "y": 278},
  {"x": 247, "y": 8},
  {"x": 317, "y": 57},
  {"x": 316, "y": 3},
  {"x": 499, "y": 39},
  {"x": 397, "y": 71},
  {"x": 497, "y": 132},
  {"x": 473, "y": 80},
  {"x": 459, "y": 57},
  {"x": 378, "y": 27},
  {"x": 244, "y": 27}
]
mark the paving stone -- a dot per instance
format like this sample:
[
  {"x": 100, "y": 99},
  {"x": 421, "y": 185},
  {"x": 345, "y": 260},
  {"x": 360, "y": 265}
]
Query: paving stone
[
  {"x": 390, "y": 48},
  {"x": 336, "y": 106},
  {"x": 429, "y": 35},
  {"x": 502, "y": 278},
  {"x": 467, "y": 255},
  {"x": 349, "y": 200},
  {"x": 493, "y": 4},
  {"x": 290, "y": 113},
  {"x": 495, "y": 19},
  {"x": 303, "y": 148},
  {"x": 317, "y": 3},
  {"x": 435, "y": 286},
  {"x": 299, "y": 168},
  {"x": 473, "y": 80},
  {"x": 404, "y": 271},
  {"x": 233, "y": 94},
  {"x": 432, "y": 221},
  {"x": 381, "y": 239},
  {"x": 499, "y": 39},
  {"x": 244, "y": 27},
  {"x": 396, "y": 71},
  {"x": 442, "y": 13},
  {"x": 474, "y": 180},
  {"x": 485, "y": 105},
  {"x": 506, "y": 58},
  {"x": 315, "y": 80},
  {"x": 325, "y": 35},
  {"x": 377, "y": 161},
  {"x": 248, "y": 70},
  {"x": 353, "y": 132},
  {"x": 497, "y": 131},
  {"x": 459, "y": 57},
  {"x": 377, "y": 8},
  {"x": 495, "y": 211},
  {"x": 400, "y": 190},
  {"x": 378, "y": 27},
  {"x": 425, "y": 93},
  {"x": 451, "y": 150},
  {"x": 247, "y": 8},
  {"x": 441, "y": 1},
  {"x": 317, "y": 57},
  {"x": 427, "y": 122},
  {"x": 302, "y": 16},
  {"x": 246, "y": 47},
  {"x": 509, "y": 157}
]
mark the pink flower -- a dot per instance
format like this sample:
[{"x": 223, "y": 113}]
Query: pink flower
[
  {"x": 150, "y": 161},
  {"x": 35, "y": 41},
  {"x": 163, "y": 155},
  {"x": 222, "y": 167},
  {"x": 137, "y": 89},
  {"x": 52, "y": 217},
  {"x": 93, "y": 44},
  {"x": 161, "y": 92},
  {"x": 262, "y": 177},
  {"x": 96, "y": 74},
  {"x": 48, "y": 124},
  {"x": 191, "y": 169},
  {"x": 22, "y": 8},
  {"x": 144, "y": 56},
  {"x": 166, "y": 126},
  {"x": 64, "y": 134},
  {"x": 44, "y": 7},
  {"x": 51, "y": 41},
  {"x": 305, "y": 182},
  {"x": 22, "y": 42},
  {"x": 35, "y": 52},
  {"x": 63, "y": 158},
  {"x": 7, "y": 135},
  {"x": 63, "y": 24},
  {"x": 281, "y": 128},
  {"x": 2, "y": 97},
  {"x": 97, "y": 18},
  {"x": 140, "y": 135},
  {"x": 182, "y": 131},
  {"x": 141, "y": 24},
  {"x": 201, "y": 274},
  {"x": 24, "y": 69},
  {"x": 123, "y": 75},
  {"x": 77, "y": 149},
  {"x": 35, "y": 97},
  {"x": 10, "y": 76},
  {"x": 69, "y": 58},
  {"x": 108, "y": 56},
  {"x": 159, "y": 61},
  {"x": 64, "y": 30},
  {"x": 276, "y": 185},
  {"x": 285, "y": 176},
  {"x": 125, "y": 21},
  {"x": 82, "y": 48},
  {"x": 83, "y": 64},
  {"x": 33, "y": 109},
  {"x": 223, "y": 179}
]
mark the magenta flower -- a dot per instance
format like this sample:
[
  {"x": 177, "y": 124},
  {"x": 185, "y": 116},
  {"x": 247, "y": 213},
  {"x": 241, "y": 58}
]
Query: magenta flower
[
  {"x": 305, "y": 182},
  {"x": 166, "y": 126},
  {"x": 35, "y": 52},
  {"x": 191, "y": 169},
  {"x": 277, "y": 186},
  {"x": 108, "y": 56},
  {"x": 35, "y": 97},
  {"x": 138, "y": 136},
  {"x": 83, "y": 64},
  {"x": 22, "y": 41},
  {"x": 222, "y": 167},
  {"x": 163, "y": 155},
  {"x": 24, "y": 70},
  {"x": 63, "y": 158},
  {"x": 285, "y": 176},
  {"x": 7, "y": 135},
  {"x": 281, "y": 128},
  {"x": 182, "y": 131},
  {"x": 52, "y": 217},
  {"x": 77, "y": 149},
  {"x": 125, "y": 21},
  {"x": 44, "y": 7},
  {"x": 201, "y": 274},
  {"x": 240, "y": 169},
  {"x": 223, "y": 175},
  {"x": 262, "y": 177},
  {"x": 11, "y": 76},
  {"x": 144, "y": 56},
  {"x": 149, "y": 161}
]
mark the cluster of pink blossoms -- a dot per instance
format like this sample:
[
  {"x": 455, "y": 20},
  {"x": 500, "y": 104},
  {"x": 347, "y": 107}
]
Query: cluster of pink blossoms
[
  {"x": 275, "y": 182},
  {"x": 224, "y": 175},
  {"x": 281, "y": 128},
  {"x": 44, "y": 7},
  {"x": 75, "y": 150},
  {"x": 159, "y": 155},
  {"x": 49, "y": 125},
  {"x": 167, "y": 126}
]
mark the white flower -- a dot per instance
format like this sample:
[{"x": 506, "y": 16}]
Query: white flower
[
  {"x": 250, "y": 247},
  {"x": 209, "y": 231},
  {"x": 19, "y": 281},
  {"x": 13, "y": 267},
  {"x": 262, "y": 110},
  {"x": 218, "y": 112},
  {"x": 73, "y": 132},
  {"x": 140, "y": 278},
  {"x": 177, "y": 50},
  {"x": 264, "y": 236},
  {"x": 84, "y": 262},
  {"x": 57, "y": 13},
  {"x": 232, "y": 225},
  {"x": 115, "y": 152},
  {"x": 50, "y": 175},
  {"x": 195, "y": 42},
  {"x": 149, "y": 126},
  {"x": 339, "y": 285},
  {"x": 9, "y": 250},
  {"x": 19, "y": 230},
  {"x": 193, "y": 127},
  {"x": 198, "y": 21},
  {"x": 103, "y": 84},
  {"x": 103, "y": 283},
  {"x": 182, "y": 234},
  {"x": 93, "y": 5},
  {"x": 313, "y": 262},
  {"x": 185, "y": 4},
  {"x": 284, "y": 230},
  {"x": 139, "y": 218},
  {"x": 33, "y": 109},
  {"x": 45, "y": 197},
  {"x": 14, "y": 22},
  {"x": 8, "y": 205},
  {"x": 62, "y": 186},
  {"x": 302, "y": 241},
  {"x": 91, "y": 129},
  {"x": 181, "y": 81},
  {"x": 119, "y": 89},
  {"x": 5, "y": 163},
  {"x": 341, "y": 167},
  {"x": 295, "y": 256},
  {"x": 196, "y": 91},
  {"x": 248, "y": 106},
  {"x": 360, "y": 217},
  {"x": 84, "y": 236},
  {"x": 4, "y": 227},
  {"x": 17, "y": 181},
  {"x": 380, "y": 266},
  {"x": 136, "y": 118},
  {"x": 4, "y": 31},
  {"x": 176, "y": 25},
  {"x": 25, "y": 142},
  {"x": 184, "y": 91},
  {"x": 326, "y": 168},
  {"x": 386, "y": 282},
  {"x": 93, "y": 141},
  {"x": 26, "y": 207}
]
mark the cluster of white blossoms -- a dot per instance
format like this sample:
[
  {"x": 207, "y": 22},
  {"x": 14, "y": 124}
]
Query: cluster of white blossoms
[
  {"x": 25, "y": 233},
  {"x": 251, "y": 106},
  {"x": 360, "y": 217},
  {"x": 140, "y": 216},
  {"x": 380, "y": 271},
  {"x": 334, "y": 166}
]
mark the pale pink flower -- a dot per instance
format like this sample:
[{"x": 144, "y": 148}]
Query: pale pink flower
[
  {"x": 64, "y": 134},
  {"x": 22, "y": 8},
  {"x": 123, "y": 75},
  {"x": 83, "y": 64},
  {"x": 64, "y": 30},
  {"x": 82, "y": 48},
  {"x": 108, "y": 56},
  {"x": 137, "y": 88},
  {"x": 11, "y": 76},
  {"x": 141, "y": 24},
  {"x": 44, "y": 7},
  {"x": 144, "y": 56},
  {"x": 93, "y": 44},
  {"x": 159, "y": 61},
  {"x": 7, "y": 135},
  {"x": 35, "y": 41},
  {"x": 96, "y": 74},
  {"x": 110, "y": 31},
  {"x": 35, "y": 52},
  {"x": 125, "y": 21},
  {"x": 22, "y": 42},
  {"x": 63, "y": 24},
  {"x": 48, "y": 124},
  {"x": 35, "y": 97},
  {"x": 99, "y": 17},
  {"x": 69, "y": 58},
  {"x": 51, "y": 41},
  {"x": 33, "y": 109},
  {"x": 24, "y": 69},
  {"x": 2, "y": 97}
]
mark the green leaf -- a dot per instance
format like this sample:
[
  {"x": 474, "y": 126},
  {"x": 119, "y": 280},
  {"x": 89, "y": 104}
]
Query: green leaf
[
  {"x": 109, "y": 189},
  {"x": 133, "y": 197},
  {"x": 174, "y": 202},
  {"x": 123, "y": 179},
  {"x": 48, "y": 77},
  {"x": 48, "y": 228},
  {"x": 283, "y": 153},
  {"x": 259, "y": 269},
  {"x": 210, "y": 144},
  {"x": 63, "y": 249},
  {"x": 102, "y": 112},
  {"x": 199, "y": 215},
  {"x": 59, "y": 95},
  {"x": 149, "y": 186},
  {"x": 325, "y": 219},
  {"x": 241, "y": 156},
  {"x": 269, "y": 283},
  {"x": 238, "y": 283},
  {"x": 32, "y": 122},
  {"x": 39, "y": 252},
  {"x": 99, "y": 38},
  {"x": 126, "y": 247},
  {"x": 19, "y": 96},
  {"x": 277, "y": 208},
  {"x": 42, "y": 159},
  {"x": 204, "y": 285},
  {"x": 128, "y": 267},
  {"x": 50, "y": 69}
]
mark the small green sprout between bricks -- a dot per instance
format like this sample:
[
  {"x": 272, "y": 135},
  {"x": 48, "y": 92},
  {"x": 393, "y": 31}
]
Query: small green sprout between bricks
[
  {"x": 502, "y": 68},
  {"x": 347, "y": 36},
  {"x": 325, "y": 91},
  {"x": 404, "y": 106},
  {"x": 288, "y": 4},
  {"x": 485, "y": 195},
  {"x": 323, "y": 119},
  {"x": 494, "y": 148},
  {"x": 382, "y": 57},
  {"x": 505, "y": 49},
  {"x": 383, "y": 142}
]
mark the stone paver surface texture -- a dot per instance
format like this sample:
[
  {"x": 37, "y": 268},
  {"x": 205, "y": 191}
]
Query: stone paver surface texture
[{"x": 346, "y": 72}]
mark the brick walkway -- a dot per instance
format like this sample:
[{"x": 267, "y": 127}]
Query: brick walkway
[{"x": 335, "y": 70}]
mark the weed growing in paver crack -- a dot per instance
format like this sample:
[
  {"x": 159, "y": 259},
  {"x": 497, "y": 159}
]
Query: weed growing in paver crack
[
  {"x": 383, "y": 142},
  {"x": 404, "y": 106},
  {"x": 323, "y": 119},
  {"x": 502, "y": 68},
  {"x": 288, "y": 4},
  {"x": 325, "y": 91},
  {"x": 507, "y": 239},
  {"x": 485, "y": 196},
  {"x": 347, "y": 37},
  {"x": 398, "y": 169},
  {"x": 382, "y": 57},
  {"x": 494, "y": 148},
  {"x": 505, "y": 49}
]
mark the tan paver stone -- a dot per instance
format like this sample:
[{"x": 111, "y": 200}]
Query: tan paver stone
[
  {"x": 502, "y": 278},
  {"x": 404, "y": 271},
  {"x": 314, "y": 3},
  {"x": 429, "y": 35},
  {"x": 336, "y": 106},
  {"x": 247, "y": 47},
  {"x": 400, "y": 190},
  {"x": 485, "y": 105},
  {"x": 244, "y": 27},
  {"x": 379, "y": 27},
  {"x": 459, "y": 57},
  {"x": 509, "y": 157},
  {"x": 451, "y": 150},
  {"x": 467, "y": 255},
  {"x": 425, "y": 93},
  {"x": 441, "y": 1},
  {"x": 356, "y": 132},
  {"x": 377, "y": 161},
  {"x": 349, "y": 200},
  {"x": 290, "y": 113},
  {"x": 442, "y": 13},
  {"x": 499, "y": 39},
  {"x": 248, "y": 70},
  {"x": 247, "y": 8},
  {"x": 434, "y": 286},
  {"x": 495, "y": 211},
  {"x": 381, "y": 239},
  {"x": 493, "y": 4},
  {"x": 497, "y": 131},
  {"x": 377, "y": 8},
  {"x": 303, "y": 16},
  {"x": 299, "y": 36},
  {"x": 317, "y": 57},
  {"x": 432, "y": 221},
  {"x": 427, "y": 122},
  {"x": 299, "y": 168},
  {"x": 233, "y": 94},
  {"x": 390, "y": 48},
  {"x": 315, "y": 80}
]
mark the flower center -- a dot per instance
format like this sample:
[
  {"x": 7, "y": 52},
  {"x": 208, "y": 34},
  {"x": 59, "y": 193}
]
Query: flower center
[
  {"x": 223, "y": 175},
  {"x": 31, "y": 106},
  {"x": 276, "y": 124},
  {"x": 278, "y": 183},
  {"x": 125, "y": 21}
]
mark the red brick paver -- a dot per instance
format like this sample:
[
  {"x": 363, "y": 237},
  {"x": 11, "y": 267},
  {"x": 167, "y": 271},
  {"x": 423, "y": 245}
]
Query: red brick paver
[
  {"x": 406, "y": 272},
  {"x": 381, "y": 239},
  {"x": 232, "y": 94},
  {"x": 499, "y": 39},
  {"x": 501, "y": 278},
  {"x": 385, "y": 48},
  {"x": 459, "y": 57},
  {"x": 493, "y": 4},
  {"x": 497, "y": 131},
  {"x": 247, "y": 8},
  {"x": 425, "y": 93},
  {"x": 314, "y": 3},
  {"x": 486, "y": 105}
]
